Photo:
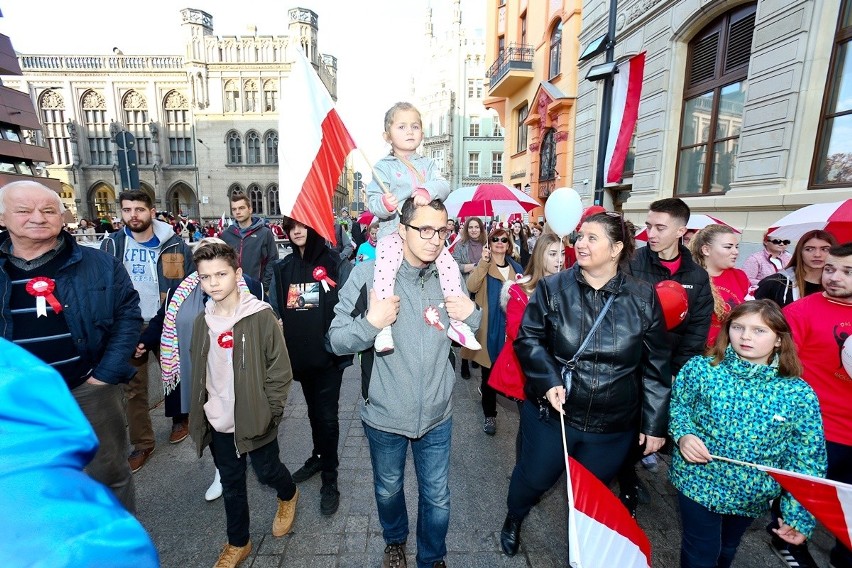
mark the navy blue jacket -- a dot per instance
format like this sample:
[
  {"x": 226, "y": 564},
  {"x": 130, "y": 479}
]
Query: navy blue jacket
[{"x": 100, "y": 305}]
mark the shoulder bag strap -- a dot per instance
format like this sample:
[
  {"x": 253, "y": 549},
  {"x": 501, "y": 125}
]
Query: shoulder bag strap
[{"x": 568, "y": 369}]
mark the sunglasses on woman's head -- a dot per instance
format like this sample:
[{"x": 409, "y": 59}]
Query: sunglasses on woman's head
[
  {"x": 779, "y": 242},
  {"x": 499, "y": 239}
]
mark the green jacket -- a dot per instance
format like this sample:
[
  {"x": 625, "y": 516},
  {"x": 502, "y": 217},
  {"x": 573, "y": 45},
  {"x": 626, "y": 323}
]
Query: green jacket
[{"x": 262, "y": 378}]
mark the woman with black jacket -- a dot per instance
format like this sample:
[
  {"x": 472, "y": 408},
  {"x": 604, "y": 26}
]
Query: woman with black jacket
[{"x": 620, "y": 381}]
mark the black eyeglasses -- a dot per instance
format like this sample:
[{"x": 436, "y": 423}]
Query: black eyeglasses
[
  {"x": 779, "y": 242},
  {"x": 499, "y": 239},
  {"x": 427, "y": 233}
]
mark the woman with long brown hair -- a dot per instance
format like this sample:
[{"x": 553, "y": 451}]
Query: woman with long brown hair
[
  {"x": 803, "y": 275},
  {"x": 467, "y": 252}
]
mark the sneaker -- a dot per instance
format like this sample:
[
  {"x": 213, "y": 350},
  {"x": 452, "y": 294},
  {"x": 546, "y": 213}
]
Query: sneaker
[
  {"x": 180, "y": 430},
  {"x": 307, "y": 471},
  {"x": 439, "y": 564},
  {"x": 215, "y": 489},
  {"x": 329, "y": 499},
  {"x": 285, "y": 515},
  {"x": 395, "y": 556},
  {"x": 793, "y": 556},
  {"x": 490, "y": 426},
  {"x": 651, "y": 463},
  {"x": 231, "y": 556},
  {"x": 138, "y": 458},
  {"x": 384, "y": 341},
  {"x": 461, "y": 333}
]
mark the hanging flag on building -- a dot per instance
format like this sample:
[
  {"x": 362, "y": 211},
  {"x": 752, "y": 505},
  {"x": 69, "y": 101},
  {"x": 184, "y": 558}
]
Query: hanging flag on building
[
  {"x": 627, "y": 90},
  {"x": 601, "y": 532},
  {"x": 312, "y": 146}
]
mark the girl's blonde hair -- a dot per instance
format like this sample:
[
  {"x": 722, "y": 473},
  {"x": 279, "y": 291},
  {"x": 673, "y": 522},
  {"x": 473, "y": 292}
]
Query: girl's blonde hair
[
  {"x": 705, "y": 237},
  {"x": 535, "y": 267}
]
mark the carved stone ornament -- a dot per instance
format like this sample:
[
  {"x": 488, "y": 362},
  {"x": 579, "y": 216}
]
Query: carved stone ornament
[
  {"x": 270, "y": 85},
  {"x": 175, "y": 101},
  {"x": 133, "y": 100},
  {"x": 561, "y": 136},
  {"x": 543, "y": 102},
  {"x": 250, "y": 85},
  {"x": 93, "y": 100},
  {"x": 533, "y": 147},
  {"x": 72, "y": 130},
  {"x": 52, "y": 99},
  {"x": 304, "y": 16},
  {"x": 154, "y": 128},
  {"x": 197, "y": 17}
]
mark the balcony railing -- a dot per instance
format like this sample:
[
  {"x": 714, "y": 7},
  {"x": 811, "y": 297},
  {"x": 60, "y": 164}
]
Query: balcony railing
[
  {"x": 100, "y": 62},
  {"x": 516, "y": 56}
]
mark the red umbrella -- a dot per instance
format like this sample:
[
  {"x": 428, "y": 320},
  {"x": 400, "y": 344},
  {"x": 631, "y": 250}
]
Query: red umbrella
[
  {"x": 365, "y": 218},
  {"x": 488, "y": 200},
  {"x": 836, "y": 218}
]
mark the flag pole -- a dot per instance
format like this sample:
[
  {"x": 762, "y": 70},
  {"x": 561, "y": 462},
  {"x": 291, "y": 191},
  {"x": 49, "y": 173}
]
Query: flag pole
[
  {"x": 737, "y": 462},
  {"x": 376, "y": 177},
  {"x": 572, "y": 518}
]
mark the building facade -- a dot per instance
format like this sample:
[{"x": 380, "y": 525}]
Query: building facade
[
  {"x": 745, "y": 107},
  {"x": 205, "y": 122},
  {"x": 532, "y": 48},
  {"x": 460, "y": 134}
]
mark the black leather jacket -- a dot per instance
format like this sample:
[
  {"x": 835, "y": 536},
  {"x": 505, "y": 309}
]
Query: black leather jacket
[{"x": 622, "y": 379}]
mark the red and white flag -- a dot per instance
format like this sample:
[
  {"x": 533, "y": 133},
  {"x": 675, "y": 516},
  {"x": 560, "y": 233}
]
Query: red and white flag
[
  {"x": 829, "y": 501},
  {"x": 222, "y": 223},
  {"x": 312, "y": 146},
  {"x": 627, "y": 90},
  {"x": 601, "y": 532}
]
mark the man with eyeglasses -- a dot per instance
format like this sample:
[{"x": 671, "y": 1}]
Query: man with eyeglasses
[
  {"x": 773, "y": 258},
  {"x": 407, "y": 392}
]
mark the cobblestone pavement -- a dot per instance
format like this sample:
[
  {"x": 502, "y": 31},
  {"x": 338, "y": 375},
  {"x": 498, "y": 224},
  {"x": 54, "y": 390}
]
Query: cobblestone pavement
[{"x": 189, "y": 532}]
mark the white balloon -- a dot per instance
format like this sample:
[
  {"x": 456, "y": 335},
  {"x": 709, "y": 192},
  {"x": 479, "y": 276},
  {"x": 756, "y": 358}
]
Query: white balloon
[
  {"x": 846, "y": 355},
  {"x": 563, "y": 210}
]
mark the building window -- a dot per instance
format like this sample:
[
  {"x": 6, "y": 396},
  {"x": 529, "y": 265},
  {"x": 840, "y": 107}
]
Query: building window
[
  {"x": 272, "y": 198},
  {"x": 52, "y": 109},
  {"x": 833, "y": 159},
  {"x": 251, "y": 96},
  {"x": 716, "y": 86},
  {"x": 256, "y": 197},
  {"x": 547, "y": 165},
  {"x": 522, "y": 114},
  {"x": 178, "y": 129},
  {"x": 438, "y": 158},
  {"x": 97, "y": 129},
  {"x": 235, "y": 148},
  {"x": 271, "y": 145},
  {"x": 232, "y": 96},
  {"x": 473, "y": 126},
  {"x": 473, "y": 164},
  {"x": 470, "y": 88},
  {"x": 524, "y": 29},
  {"x": 270, "y": 95},
  {"x": 496, "y": 129},
  {"x": 235, "y": 189},
  {"x": 135, "y": 108},
  {"x": 556, "y": 50},
  {"x": 252, "y": 147},
  {"x": 501, "y": 45},
  {"x": 496, "y": 163}
]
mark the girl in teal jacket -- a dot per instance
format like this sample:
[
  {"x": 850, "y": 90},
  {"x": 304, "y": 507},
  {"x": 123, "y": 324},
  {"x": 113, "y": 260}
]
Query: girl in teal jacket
[{"x": 743, "y": 401}]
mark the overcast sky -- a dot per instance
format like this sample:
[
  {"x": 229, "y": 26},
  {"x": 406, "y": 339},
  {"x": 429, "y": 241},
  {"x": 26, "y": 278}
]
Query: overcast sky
[{"x": 378, "y": 44}]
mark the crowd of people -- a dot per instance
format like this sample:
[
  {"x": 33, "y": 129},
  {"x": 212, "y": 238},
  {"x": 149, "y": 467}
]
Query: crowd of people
[{"x": 572, "y": 329}]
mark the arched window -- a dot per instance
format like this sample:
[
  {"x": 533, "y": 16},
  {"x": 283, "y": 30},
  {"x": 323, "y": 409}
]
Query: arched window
[
  {"x": 135, "y": 108},
  {"x": 235, "y": 148},
  {"x": 252, "y": 147},
  {"x": 556, "y": 50},
  {"x": 270, "y": 95},
  {"x": 232, "y": 96},
  {"x": 271, "y": 144},
  {"x": 251, "y": 96},
  {"x": 52, "y": 109},
  {"x": 547, "y": 166},
  {"x": 97, "y": 128},
  {"x": 178, "y": 129},
  {"x": 714, "y": 96},
  {"x": 235, "y": 189},
  {"x": 256, "y": 196},
  {"x": 272, "y": 199}
]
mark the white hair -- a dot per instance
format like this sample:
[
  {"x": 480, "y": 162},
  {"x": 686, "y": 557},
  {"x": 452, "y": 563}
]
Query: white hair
[{"x": 27, "y": 183}]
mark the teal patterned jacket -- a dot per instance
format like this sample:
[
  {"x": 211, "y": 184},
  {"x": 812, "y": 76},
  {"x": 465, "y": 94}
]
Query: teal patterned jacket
[{"x": 749, "y": 413}]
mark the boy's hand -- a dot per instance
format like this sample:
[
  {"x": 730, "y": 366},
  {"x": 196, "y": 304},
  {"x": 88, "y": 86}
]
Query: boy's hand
[
  {"x": 140, "y": 350},
  {"x": 789, "y": 534},
  {"x": 693, "y": 449},
  {"x": 382, "y": 313},
  {"x": 390, "y": 201}
]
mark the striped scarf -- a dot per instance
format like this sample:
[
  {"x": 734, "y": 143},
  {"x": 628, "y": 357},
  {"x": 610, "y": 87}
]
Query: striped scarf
[{"x": 169, "y": 351}]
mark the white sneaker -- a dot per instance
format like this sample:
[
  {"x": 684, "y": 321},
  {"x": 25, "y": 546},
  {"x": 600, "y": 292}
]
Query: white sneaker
[
  {"x": 461, "y": 333},
  {"x": 384, "y": 341},
  {"x": 215, "y": 489}
]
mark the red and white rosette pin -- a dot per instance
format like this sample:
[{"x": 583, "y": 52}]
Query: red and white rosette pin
[
  {"x": 226, "y": 339},
  {"x": 42, "y": 288},
  {"x": 433, "y": 318},
  {"x": 321, "y": 276}
]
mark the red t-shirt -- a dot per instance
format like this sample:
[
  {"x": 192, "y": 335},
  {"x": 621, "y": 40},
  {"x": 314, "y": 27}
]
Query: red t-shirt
[
  {"x": 732, "y": 285},
  {"x": 673, "y": 265},
  {"x": 820, "y": 325}
]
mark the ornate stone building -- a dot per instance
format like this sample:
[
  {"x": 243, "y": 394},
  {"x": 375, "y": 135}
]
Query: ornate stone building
[{"x": 205, "y": 122}]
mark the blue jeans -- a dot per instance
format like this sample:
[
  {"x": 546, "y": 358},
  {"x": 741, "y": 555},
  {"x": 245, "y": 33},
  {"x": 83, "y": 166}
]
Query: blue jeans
[
  {"x": 709, "y": 539},
  {"x": 432, "y": 467}
]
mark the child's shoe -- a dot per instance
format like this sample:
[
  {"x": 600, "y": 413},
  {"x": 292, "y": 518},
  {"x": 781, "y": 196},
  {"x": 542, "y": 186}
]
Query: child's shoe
[
  {"x": 384, "y": 341},
  {"x": 461, "y": 333}
]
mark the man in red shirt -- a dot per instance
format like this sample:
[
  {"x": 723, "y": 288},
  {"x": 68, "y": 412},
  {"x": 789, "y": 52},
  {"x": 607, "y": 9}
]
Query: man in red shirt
[{"x": 821, "y": 323}]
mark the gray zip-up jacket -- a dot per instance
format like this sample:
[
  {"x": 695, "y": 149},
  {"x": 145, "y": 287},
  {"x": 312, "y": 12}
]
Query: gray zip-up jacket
[{"x": 410, "y": 389}]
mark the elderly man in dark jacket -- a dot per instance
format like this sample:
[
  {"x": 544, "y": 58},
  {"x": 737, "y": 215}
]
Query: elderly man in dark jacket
[{"x": 74, "y": 308}]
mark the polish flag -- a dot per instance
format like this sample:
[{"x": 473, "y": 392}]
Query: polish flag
[
  {"x": 627, "y": 90},
  {"x": 312, "y": 146},
  {"x": 222, "y": 223},
  {"x": 601, "y": 532}
]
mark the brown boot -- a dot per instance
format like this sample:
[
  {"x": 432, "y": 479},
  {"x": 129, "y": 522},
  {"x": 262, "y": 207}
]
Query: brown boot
[
  {"x": 284, "y": 517},
  {"x": 232, "y": 555}
]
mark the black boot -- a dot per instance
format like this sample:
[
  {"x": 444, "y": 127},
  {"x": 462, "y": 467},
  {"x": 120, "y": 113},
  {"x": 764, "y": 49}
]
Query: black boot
[
  {"x": 465, "y": 369},
  {"x": 510, "y": 536},
  {"x": 311, "y": 468}
]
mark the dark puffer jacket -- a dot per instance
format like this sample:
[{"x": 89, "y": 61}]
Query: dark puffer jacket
[{"x": 622, "y": 379}]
